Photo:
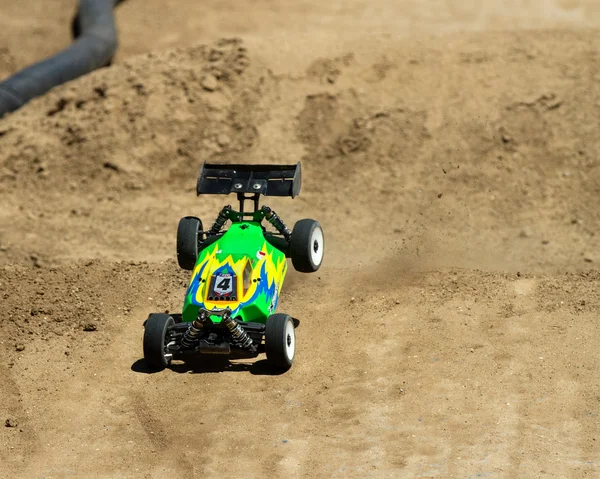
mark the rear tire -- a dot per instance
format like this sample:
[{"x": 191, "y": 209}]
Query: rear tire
[
  {"x": 188, "y": 239},
  {"x": 280, "y": 341},
  {"x": 155, "y": 338},
  {"x": 307, "y": 246}
]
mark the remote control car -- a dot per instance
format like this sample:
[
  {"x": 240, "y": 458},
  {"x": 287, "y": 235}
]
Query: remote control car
[{"x": 237, "y": 273}]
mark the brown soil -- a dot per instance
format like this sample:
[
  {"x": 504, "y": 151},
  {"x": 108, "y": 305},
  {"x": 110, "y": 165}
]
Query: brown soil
[{"x": 450, "y": 151}]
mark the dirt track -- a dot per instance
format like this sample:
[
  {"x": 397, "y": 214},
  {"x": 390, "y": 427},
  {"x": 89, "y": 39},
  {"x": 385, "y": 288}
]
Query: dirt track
[{"x": 453, "y": 329}]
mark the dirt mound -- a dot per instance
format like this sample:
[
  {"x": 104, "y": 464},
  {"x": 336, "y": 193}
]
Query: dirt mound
[
  {"x": 451, "y": 330},
  {"x": 135, "y": 118},
  {"x": 496, "y": 154},
  {"x": 492, "y": 154}
]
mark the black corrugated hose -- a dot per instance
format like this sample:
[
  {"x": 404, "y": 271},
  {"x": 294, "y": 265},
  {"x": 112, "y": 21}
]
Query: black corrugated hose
[{"x": 93, "y": 48}]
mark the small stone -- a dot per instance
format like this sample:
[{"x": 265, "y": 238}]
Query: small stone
[
  {"x": 111, "y": 165},
  {"x": 587, "y": 259},
  {"x": 545, "y": 242},
  {"x": 20, "y": 347},
  {"x": 209, "y": 82},
  {"x": 525, "y": 233},
  {"x": 352, "y": 299},
  {"x": 35, "y": 260},
  {"x": 90, "y": 327},
  {"x": 215, "y": 55},
  {"x": 223, "y": 140},
  {"x": 42, "y": 168},
  {"x": 134, "y": 185},
  {"x": 11, "y": 422}
]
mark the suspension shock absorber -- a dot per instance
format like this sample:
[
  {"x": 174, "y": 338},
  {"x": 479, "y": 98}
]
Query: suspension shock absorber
[
  {"x": 192, "y": 332},
  {"x": 240, "y": 337},
  {"x": 224, "y": 215},
  {"x": 275, "y": 220}
]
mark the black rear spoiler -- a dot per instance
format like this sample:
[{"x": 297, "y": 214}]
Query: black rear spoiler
[{"x": 268, "y": 180}]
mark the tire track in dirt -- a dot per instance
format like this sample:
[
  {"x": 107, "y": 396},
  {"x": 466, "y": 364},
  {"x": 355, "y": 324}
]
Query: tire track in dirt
[
  {"x": 153, "y": 413},
  {"x": 165, "y": 455},
  {"x": 17, "y": 433}
]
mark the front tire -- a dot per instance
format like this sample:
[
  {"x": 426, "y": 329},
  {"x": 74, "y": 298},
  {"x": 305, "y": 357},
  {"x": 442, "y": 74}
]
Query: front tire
[
  {"x": 155, "y": 341},
  {"x": 188, "y": 239},
  {"x": 280, "y": 341},
  {"x": 307, "y": 246}
]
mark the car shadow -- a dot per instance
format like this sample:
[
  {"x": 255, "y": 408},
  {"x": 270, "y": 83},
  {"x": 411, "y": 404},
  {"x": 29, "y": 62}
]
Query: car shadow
[
  {"x": 208, "y": 364},
  {"x": 140, "y": 366},
  {"x": 205, "y": 365}
]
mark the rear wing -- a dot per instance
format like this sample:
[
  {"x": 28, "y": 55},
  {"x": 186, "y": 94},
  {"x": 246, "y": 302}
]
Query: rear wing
[{"x": 267, "y": 180}]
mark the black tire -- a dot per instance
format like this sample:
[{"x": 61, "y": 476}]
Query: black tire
[
  {"x": 188, "y": 239},
  {"x": 307, "y": 245},
  {"x": 280, "y": 341},
  {"x": 155, "y": 334}
]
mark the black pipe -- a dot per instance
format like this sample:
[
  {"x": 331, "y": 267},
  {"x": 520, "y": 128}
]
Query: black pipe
[{"x": 93, "y": 48}]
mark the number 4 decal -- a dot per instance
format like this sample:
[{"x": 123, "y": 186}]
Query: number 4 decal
[{"x": 223, "y": 285}]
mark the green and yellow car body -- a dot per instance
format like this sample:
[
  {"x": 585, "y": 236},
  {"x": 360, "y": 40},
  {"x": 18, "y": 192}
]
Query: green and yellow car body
[{"x": 241, "y": 271}]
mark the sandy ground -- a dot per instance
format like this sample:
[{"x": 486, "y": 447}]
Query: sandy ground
[{"x": 449, "y": 150}]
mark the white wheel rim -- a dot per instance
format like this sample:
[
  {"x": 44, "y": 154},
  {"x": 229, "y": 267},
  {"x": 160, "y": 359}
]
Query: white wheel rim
[
  {"x": 290, "y": 340},
  {"x": 316, "y": 246}
]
